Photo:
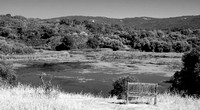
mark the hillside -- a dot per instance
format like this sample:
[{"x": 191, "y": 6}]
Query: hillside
[
  {"x": 150, "y": 23},
  {"x": 178, "y": 34},
  {"x": 164, "y": 23},
  {"x": 28, "y": 98}
]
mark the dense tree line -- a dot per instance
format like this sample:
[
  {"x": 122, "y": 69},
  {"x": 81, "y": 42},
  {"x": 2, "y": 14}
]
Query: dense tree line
[{"x": 65, "y": 34}]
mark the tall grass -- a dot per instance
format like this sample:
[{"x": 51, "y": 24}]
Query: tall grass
[{"x": 29, "y": 98}]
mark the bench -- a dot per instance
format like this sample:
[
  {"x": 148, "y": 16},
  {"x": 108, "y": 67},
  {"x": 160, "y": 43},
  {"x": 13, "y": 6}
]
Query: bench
[{"x": 141, "y": 89}]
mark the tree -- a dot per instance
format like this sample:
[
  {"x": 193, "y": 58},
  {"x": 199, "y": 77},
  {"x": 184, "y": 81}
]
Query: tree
[
  {"x": 4, "y": 31},
  {"x": 93, "y": 42},
  {"x": 7, "y": 73},
  {"x": 47, "y": 32},
  {"x": 181, "y": 46},
  {"x": 67, "y": 43},
  {"x": 158, "y": 46},
  {"x": 167, "y": 47},
  {"x": 187, "y": 81},
  {"x": 145, "y": 45},
  {"x": 119, "y": 86},
  {"x": 160, "y": 33},
  {"x": 186, "y": 32}
]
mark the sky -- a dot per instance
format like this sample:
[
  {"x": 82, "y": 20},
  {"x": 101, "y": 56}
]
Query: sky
[{"x": 107, "y": 8}]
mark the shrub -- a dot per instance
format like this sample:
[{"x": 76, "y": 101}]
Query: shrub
[
  {"x": 157, "y": 46},
  {"x": 167, "y": 47},
  {"x": 106, "y": 42},
  {"x": 19, "y": 48},
  {"x": 7, "y": 73},
  {"x": 181, "y": 46},
  {"x": 4, "y": 31},
  {"x": 116, "y": 44},
  {"x": 80, "y": 41},
  {"x": 67, "y": 43},
  {"x": 145, "y": 45},
  {"x": 93, "y": 42},
  {"x": 119, "y": 86},
  {"x": 53, "y": 42},
  {"x": 5, "y": 48},
  {"x": 14, "y": 48},
  {"x": 46, "y": 85},
  {"x": 187, "y": 81},
  {"x": 178, "y": 47}
]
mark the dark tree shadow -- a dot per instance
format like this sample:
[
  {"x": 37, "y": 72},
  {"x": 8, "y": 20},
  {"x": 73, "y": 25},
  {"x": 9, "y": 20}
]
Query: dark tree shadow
[{"x": 124, "y": 103}]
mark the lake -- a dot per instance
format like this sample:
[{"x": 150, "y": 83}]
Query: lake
[{"x": 73, "y": 77}]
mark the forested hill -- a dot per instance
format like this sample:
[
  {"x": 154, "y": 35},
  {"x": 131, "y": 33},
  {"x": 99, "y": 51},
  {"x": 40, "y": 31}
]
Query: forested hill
[
  {"x": 192, "y": 22},
  {"x": 19, "y": 35}
]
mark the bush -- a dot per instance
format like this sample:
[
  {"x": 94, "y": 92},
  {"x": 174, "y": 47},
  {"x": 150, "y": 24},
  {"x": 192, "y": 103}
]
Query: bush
[
  {"x": 119, "y": 86},
  {"x": 180, "y": 46},
  {"x": 167, "y": 47},
  {"x": 93, "y": 42},
  {"x": 116, "y": 45},
  {"x": 187, "y": 81},
  {"x": 145, "y": 45},
  {"x": 5, "y": 48},
  {"x": 80, "y": 41},
  {"x": 53, "y": 42},
  {"x": 14, "y": 48},
  {"x": 106, "y": 42},
  {"x": 4, "y": 31},
  {"x": 67, "y": 43},
  {"x": 7, "y": 74},
  {"x": 19, "y": 48}
]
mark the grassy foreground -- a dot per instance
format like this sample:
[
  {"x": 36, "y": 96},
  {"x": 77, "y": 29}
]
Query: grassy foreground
[{"x": 29, "y": 98}]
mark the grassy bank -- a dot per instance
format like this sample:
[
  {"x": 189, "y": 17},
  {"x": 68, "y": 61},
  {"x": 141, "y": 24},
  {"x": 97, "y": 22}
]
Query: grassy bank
[
  {"x": 28, "y": 98},
  {"x": 38, "y": 56}
]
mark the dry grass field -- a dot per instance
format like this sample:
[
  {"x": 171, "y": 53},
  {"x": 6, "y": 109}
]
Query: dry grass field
[{"x": 28, "y": 98}]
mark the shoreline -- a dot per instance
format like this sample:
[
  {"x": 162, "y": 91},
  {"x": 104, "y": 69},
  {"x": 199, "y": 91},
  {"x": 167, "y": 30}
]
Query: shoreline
[{"x": 122, "y": 61}]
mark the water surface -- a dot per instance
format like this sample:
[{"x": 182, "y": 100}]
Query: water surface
[{"x": 69, "y": 76}]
